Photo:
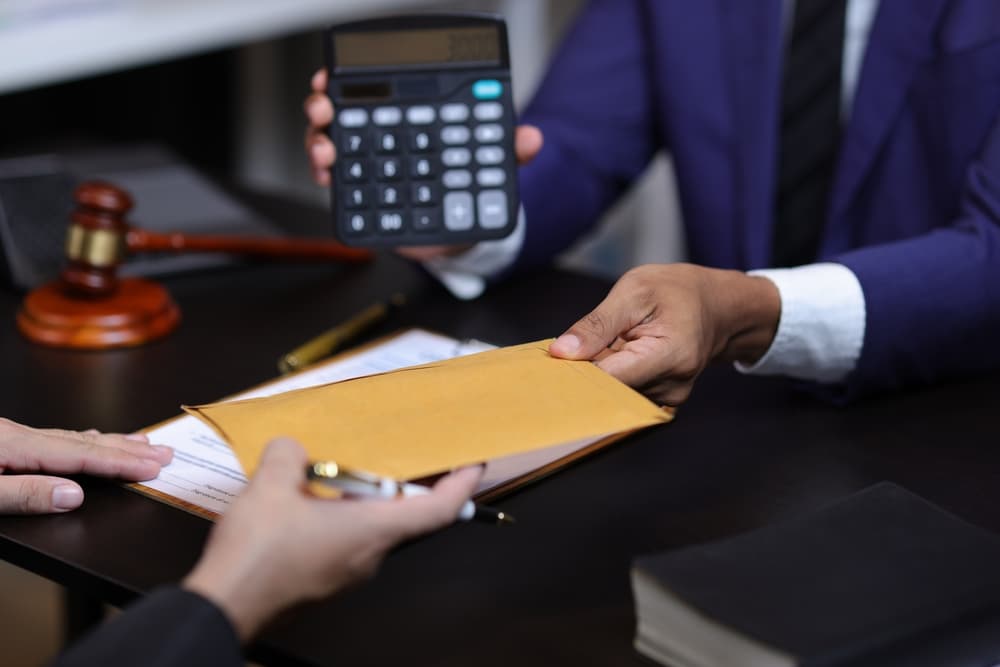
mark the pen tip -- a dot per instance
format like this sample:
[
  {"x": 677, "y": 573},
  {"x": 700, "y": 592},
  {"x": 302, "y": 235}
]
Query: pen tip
[{"x": 504, "y": 518}]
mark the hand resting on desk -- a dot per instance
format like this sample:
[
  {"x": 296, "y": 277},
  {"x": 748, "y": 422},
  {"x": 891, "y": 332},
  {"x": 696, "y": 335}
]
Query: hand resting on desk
[{"x": 25, "y": 452}]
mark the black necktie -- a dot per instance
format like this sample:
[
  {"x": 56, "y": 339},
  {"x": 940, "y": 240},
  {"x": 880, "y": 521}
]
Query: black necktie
[{"x": 810, "y": 129}]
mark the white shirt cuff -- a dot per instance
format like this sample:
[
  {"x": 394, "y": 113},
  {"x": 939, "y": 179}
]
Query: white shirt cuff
[
  {"x": 822, "y": 324},
  {"x": 465, "y": 275}
]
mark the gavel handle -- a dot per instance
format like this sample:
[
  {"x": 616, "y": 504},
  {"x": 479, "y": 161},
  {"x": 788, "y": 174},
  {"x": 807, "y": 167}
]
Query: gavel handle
[{"x": 140, "y": 240}]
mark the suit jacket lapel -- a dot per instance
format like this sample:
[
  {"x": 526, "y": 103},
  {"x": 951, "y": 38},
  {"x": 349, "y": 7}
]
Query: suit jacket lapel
[
  {"x": 901, "y": 40},
  {"x": 752, "y": 33}
]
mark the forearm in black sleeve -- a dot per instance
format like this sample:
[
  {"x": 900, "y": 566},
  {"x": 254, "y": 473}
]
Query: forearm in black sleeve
[{"x": 171, "y": 627}]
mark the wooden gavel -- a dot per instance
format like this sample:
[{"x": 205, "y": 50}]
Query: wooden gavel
[
  {"x": 90, "y": 307},
  {"x": 99, "y": 239}
]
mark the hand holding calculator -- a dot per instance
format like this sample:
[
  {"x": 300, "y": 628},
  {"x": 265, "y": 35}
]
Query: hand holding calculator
[{"x": 424, "y": 130}]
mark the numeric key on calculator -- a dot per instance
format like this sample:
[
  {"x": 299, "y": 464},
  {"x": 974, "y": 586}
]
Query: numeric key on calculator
[
  {"x": 389, "y": 196},
  {"x": 357, "y": 197},
  {"x": 423, "y": 194},
  {"x": 354, "y": 171},
  {"x": 359, "y": 223},
  {"x": 390, "y": 222},
  {"x": 387, "y": 142},
  {"x": 421, "y": 167},
  {"x": 354, "y": 144},
  {"x": 388, "y": 169},
  {"x": 420, "y": 141}
]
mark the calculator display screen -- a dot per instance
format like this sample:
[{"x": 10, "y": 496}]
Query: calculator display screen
[{"x": 445, "y": 46}]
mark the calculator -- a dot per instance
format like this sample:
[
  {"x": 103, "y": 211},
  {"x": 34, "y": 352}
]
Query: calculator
[{"x": 424, "y": 129}]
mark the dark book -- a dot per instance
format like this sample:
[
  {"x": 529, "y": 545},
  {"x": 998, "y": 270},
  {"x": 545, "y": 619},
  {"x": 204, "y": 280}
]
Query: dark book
[{"x": 882, "y": 577}]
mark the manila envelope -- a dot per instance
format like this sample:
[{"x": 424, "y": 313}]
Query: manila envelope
[{"x": 428, "y": 419}]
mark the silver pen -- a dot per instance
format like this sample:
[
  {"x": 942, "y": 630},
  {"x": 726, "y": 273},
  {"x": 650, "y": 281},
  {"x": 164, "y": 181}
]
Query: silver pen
[{"x": 367, "y": 485}]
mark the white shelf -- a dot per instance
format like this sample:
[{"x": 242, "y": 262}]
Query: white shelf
[{"x": 100, "y": 37}]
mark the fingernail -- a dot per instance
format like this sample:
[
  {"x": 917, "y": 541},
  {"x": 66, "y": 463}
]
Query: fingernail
[
  {"x": 568, "y": 342},
  {"x": 165, "y": 453},
  {"x": 67, "y": 497},
  {"x": 137, "y": 437},
  {"x": 145, "y": 470},
  {"x": 317, "y": 151}
]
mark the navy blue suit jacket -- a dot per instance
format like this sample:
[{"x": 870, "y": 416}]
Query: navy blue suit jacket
[{"x": 915, "y": 208}]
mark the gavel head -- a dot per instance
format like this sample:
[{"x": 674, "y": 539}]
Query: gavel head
[{"x": 95, "y": 242}]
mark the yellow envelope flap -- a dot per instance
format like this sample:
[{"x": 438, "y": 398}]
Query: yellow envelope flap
[{"x": 423, "y": 420}]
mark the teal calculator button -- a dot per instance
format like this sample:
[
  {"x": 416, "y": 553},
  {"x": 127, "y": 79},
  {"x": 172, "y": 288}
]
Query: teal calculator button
[{"x": 487, "y": 89}]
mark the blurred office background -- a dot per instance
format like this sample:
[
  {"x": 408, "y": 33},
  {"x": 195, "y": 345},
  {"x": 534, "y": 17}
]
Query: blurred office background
[{"x": 221, "y": 84}]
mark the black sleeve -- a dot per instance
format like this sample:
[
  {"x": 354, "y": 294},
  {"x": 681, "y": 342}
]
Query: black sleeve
[{"x": 170, "y": 627}]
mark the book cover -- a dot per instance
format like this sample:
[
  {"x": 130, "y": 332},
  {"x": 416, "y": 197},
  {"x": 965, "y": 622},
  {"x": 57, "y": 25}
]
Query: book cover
[{"x": 879, "y": 573}]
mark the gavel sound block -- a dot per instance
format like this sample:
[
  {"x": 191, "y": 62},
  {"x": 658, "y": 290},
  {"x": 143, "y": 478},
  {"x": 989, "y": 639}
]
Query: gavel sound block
[{"x": 89, "y": 307}]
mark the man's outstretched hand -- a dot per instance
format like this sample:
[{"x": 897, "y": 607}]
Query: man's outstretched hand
[{"x": 661, "y": 324}]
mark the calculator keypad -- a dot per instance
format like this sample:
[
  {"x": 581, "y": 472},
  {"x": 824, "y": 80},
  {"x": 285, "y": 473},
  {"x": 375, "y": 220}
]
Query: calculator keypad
[{"x": 423, "y": 169}]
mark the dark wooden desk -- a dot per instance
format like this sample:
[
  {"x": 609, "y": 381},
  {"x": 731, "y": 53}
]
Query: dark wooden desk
[{"x": 554, "y": 590}]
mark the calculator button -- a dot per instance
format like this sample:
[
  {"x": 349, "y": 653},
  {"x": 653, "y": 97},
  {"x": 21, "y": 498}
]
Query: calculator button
[
  {"x": 492, "y": 209},
  {"x": 421, "y": 167},
  {"x": 490, "y": 133},
  {"x": 455, "y": 157},
  {"x": 390, "y": 222},
  {"x": 491, "y": 178},
  {"x": 354, "y": 171},
  {"x": 486, "y": 111},
  {"x": 387, "y": 116},
  {"x": 454, "y": 113},
  {"x": 388, "y": 169},
  {"x": 458, "y": 213},
  {"x": 388, "y": 195},
  {"x": 489, "y": 155},
  {"x": 426, "y": 219},
  {"x": 455, "y": 134},
  {"x": 421, "y": 115},
  {"x": 353, "y": 117},
  {"x": 420, "y": 141},
  {"x": 456, "y": 179},
  {"x": 424, "y": 194},
  {"x": 487, "y": 89},
  {"x": 356, "y": 197},
  {"x": 353, "y": 144},
  {"x": 359, "y": 223},
  {"x": 387, "y": 142}
]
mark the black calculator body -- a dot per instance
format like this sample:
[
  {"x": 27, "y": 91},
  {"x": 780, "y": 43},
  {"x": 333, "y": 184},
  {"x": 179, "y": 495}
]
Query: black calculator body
[{"x": 424, "y": 130}]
